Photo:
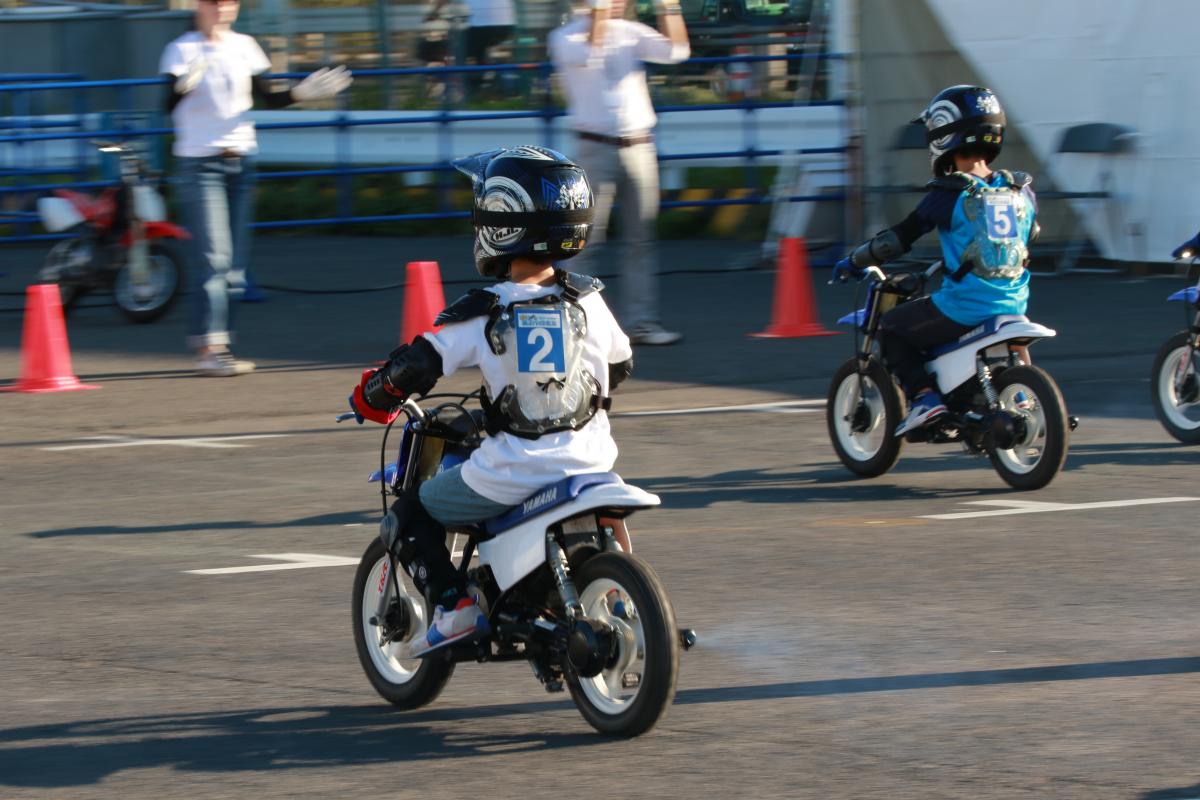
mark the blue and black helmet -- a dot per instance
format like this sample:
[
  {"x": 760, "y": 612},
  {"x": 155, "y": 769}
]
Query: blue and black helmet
[
  {"x": 962, "y": 117},
  {"x": 528, "y": 201}
]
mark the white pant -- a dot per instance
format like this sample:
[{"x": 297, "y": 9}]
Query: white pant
[{"x": 628, "y": 175}]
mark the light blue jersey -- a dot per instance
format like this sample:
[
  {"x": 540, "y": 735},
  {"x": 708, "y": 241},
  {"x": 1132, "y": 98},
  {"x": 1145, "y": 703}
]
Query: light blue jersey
[{"x": 989, "y": 231}]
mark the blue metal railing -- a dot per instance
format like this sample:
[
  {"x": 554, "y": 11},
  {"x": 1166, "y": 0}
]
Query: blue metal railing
[{"x": 35, "y": 131}]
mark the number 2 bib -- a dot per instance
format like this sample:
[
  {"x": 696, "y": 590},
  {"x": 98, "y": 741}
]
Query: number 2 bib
[{"x": 540, "y": 344}]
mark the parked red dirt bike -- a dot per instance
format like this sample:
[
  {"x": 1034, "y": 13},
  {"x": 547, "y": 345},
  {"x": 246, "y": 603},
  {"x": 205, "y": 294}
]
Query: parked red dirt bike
[{"x": 121, "y": 242}]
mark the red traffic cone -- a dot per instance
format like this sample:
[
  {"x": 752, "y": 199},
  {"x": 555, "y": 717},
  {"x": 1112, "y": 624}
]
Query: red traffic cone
[
  {"x": 45, "y": 354},
  {"x": 423, "y": 299},
  {"x": 795, "y": 309}
]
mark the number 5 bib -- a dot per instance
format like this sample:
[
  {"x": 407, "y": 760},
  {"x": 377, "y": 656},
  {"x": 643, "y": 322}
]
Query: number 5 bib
[{"x": 1001, "y": 220}]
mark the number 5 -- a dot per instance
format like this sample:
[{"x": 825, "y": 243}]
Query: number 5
[{"x": 1002, "y": 220}]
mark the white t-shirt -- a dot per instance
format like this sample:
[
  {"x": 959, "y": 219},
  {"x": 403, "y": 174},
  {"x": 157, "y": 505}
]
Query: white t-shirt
[
  {"x": 506, "y": 468},
  {"x": 212, "y": 117},
  {"x": 606, "y": 84},
  {"x": 487, "y": 13}
]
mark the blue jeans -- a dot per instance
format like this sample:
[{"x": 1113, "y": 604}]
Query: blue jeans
[
  {"x": 216, "y": 196},
  {"x": 450, "y": 501}
]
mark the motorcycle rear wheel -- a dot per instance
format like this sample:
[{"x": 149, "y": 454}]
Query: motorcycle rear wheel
[
  {"x": 1177, "y": 402},
  {"x": 164, "y": 279},
  {"x": 405, "y": 683},
  {"x": 1032, "y": 462},
  {"x": 865, "y": 446},
  {"x": 637, "y": 685},
  {"x": 62, "y": 255}
]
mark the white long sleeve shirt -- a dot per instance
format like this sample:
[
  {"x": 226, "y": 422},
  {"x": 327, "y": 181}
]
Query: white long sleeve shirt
[{"x": 606, "y": 84}]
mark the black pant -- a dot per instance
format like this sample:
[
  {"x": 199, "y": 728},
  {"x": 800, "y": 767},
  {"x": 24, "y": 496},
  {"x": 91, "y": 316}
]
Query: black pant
[
  {"x": 910, "y": 330},
  {"x": 422, "y": 549}
]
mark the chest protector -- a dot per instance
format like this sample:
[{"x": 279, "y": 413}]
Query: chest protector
[
  {"x": 540, "y": 344},
  {"x": 1000, "y": 222}
]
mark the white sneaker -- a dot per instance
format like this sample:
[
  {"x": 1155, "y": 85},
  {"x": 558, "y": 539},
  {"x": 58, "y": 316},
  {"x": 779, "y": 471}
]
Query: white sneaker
[
  {"x": 222, "y": 364},
  {"x": 653, "y": 334},
  {"x": 465, "y": 620}
]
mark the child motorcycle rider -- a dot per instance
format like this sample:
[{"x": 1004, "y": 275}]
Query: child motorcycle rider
[
  {"x": 985, "y": 219},
  {"x": 550, "y": 351}
]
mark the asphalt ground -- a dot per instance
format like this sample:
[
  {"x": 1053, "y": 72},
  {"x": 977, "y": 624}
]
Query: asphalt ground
[{"x": 850, "y": 646}]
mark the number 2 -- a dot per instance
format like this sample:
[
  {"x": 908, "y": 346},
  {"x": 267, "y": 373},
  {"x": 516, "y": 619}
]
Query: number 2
[{"x": 537, "y": 362}]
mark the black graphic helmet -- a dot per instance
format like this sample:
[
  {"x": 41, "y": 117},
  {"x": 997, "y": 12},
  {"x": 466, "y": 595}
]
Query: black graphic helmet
[
  {"x": 528, "y": 201},
  {"x": 962, "y": 117}
]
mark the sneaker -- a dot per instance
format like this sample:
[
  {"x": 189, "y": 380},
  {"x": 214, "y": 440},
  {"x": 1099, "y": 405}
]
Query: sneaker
[
  {"x": 654, "y": 334},
  {"x": 222, "y": 364},
  {"x": 925, "y": 409},
  {"x": 465, "y": 621}
]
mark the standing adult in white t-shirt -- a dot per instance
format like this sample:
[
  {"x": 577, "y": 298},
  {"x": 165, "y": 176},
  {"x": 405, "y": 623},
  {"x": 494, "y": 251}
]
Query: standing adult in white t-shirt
[
  {"x": 600, "y": 56},
  {"x": 215, "y": 75}
]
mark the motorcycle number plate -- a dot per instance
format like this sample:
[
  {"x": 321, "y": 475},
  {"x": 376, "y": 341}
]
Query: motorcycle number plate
[
  {"x": 540, "y": 340},
  {"x": 579, "y": 525}
]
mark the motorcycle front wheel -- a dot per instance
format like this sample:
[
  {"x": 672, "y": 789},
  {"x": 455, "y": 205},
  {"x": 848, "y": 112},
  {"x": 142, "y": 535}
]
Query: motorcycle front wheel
[
  {"x": 860, "y": 417},
  {"x": 1175, "y": 389},
  {"x": 403, "y": 682},
  {"x": 637, "y": 683},
  {"x": 1038, "y": 454},
  {"x": 153, "y": 298}
]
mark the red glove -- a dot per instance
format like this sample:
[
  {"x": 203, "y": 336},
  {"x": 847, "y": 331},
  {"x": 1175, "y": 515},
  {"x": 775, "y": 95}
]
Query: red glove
[{"x": 365, "y": 411}]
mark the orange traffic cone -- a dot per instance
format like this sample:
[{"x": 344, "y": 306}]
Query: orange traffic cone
[
  {"x": 45, "y": 354},
  {"x": 423, "y": 299},
  {"x": 795, "y": 309}
]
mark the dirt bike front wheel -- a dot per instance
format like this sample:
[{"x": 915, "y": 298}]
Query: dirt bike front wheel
[{"x": 405, "y": 683}]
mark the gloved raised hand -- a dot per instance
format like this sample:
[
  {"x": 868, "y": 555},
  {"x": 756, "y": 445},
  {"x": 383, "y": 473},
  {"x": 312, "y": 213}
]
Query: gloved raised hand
[
  {"x": 322, "y": 84},
  {"x": 1191, "y": 247},
  {"x": 845, "y": 268},
  {"x": 364, "y": 410},
  {"x": 191, "y": 79}
]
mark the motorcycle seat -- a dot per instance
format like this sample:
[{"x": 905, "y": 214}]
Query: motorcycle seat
[
  {"x": 980, "y": 331},
  {"x": 546, "y": 498}
]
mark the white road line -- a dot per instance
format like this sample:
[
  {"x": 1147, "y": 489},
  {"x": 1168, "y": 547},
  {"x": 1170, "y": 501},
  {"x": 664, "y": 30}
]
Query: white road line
[
  {"x": 1034, "y": 507},
  {"x": 295, "y": 561},
  {"x": 100, "y": 442},
  {"x": 779, "y": 407}
]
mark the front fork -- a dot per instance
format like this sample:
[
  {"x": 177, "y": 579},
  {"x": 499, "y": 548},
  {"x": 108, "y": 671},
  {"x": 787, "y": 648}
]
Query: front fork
[{"x": 1187, "y": 385}]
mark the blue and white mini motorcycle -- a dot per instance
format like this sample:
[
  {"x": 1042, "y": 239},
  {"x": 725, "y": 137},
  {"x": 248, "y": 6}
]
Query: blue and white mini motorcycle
[
  {"x": 556, "y": 576},
  {"x": 1174, "y": 385},
  {"x": 999, "y": 404}
]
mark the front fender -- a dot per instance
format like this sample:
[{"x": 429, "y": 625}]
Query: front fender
[{"x": 1187, "y": 295}]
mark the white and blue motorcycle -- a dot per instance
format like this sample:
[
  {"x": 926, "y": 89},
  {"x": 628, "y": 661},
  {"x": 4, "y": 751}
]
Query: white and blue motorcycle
[
  {"x": 1174, "y": 385},
  {"x": 999, "y": 404},
  {"x": 555, "y": 575}
]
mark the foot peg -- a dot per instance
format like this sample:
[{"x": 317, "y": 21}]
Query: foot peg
[
  {"x": 1073, "y": 422},
  {"x": 687, "y": 638}
]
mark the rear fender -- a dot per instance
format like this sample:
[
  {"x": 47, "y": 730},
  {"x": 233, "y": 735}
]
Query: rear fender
[
  {"x": 958, "y": 366},
  {"x": 520, "y": 550}
]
